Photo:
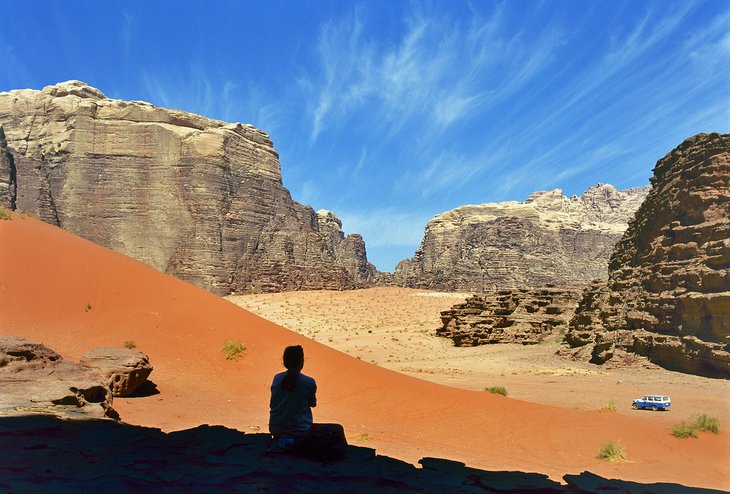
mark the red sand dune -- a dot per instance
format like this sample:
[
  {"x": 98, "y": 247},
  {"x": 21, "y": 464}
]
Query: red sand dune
[{"x": 48, "y": 276}]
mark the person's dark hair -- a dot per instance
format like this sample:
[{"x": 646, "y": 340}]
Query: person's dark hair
[{"x": 294, "y": 362}]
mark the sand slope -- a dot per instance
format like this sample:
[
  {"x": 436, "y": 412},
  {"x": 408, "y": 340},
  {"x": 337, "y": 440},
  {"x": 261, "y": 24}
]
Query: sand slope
[{"x": 49, "y": 277}]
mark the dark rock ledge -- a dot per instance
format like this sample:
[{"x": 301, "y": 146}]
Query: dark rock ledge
[{"x": 46, "y": 454}]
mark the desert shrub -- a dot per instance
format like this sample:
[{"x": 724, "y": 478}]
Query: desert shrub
[
  {"x": 87, "y": 308},
  {"x": 684, "y": 430},
  {"x": 612, "y": 451},
  {"x": 497, "y": 390},
  {"x": 4, "y": 213},
  {"x": 709, "y": 424},
  {"x": 363, "y": 437},
  {"x": 610, "y": 406},
  {"x": 233, "y": 349},
  {"x": 129, "y": 344}
]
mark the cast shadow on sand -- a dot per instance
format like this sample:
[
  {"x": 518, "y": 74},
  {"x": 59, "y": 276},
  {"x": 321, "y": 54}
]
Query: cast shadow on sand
[
  {"x": 47, "y": 454},
  {"x": 147, "y": 388}
]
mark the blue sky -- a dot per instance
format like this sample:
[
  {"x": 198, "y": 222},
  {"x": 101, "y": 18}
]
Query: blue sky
[{"x": 390, "y": 112}]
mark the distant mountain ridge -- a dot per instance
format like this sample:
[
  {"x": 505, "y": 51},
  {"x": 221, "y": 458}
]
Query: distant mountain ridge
[
  {"x": 194, "y": 197},
  {"x": 547, "y": 239}
]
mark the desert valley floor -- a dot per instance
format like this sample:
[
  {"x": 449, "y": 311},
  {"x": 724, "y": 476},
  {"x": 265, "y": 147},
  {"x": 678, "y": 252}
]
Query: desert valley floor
[
  {"x": 395, "y": 328},
  {"x": 73, "y": 295}
]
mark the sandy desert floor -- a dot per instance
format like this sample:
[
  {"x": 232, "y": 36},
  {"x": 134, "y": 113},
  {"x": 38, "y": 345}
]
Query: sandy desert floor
[
  {"x": 395, "y": 328},
  {"x": 73, "y": 295}
]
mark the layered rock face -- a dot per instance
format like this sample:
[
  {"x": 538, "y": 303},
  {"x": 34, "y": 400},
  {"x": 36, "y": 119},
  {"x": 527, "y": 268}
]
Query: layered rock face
[
  {"x": 668, "y": 292},
  {"x": 194, "y": 197},
  {"x": 547, "y": 239},
  {"x": 510, "y": 316},
  {"x": 8, "y": 190}
]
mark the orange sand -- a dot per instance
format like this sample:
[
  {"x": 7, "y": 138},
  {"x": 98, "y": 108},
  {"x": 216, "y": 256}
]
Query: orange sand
[{"x": 48, "y": 276}]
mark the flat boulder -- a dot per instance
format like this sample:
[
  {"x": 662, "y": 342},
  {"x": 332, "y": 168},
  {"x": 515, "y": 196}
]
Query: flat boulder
[
  {"x": 36, "y": 380},
  {"x": 123, "y": 369}
]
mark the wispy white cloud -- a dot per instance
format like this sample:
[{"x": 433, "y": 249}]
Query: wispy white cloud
[
  {"x": 385, "y": 226},
  {"x": 127, "y": 22},
  {"x": 13, "y": 68},
  {"x": 433, "y": 76},
  {"x": 203, "y": 91},
  {"x": 308, "y": 192}
]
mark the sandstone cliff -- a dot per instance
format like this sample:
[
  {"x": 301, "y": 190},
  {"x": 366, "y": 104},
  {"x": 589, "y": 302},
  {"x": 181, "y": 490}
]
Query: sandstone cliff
[
  {"x": 7, "y": 175},
  {"x": 197, "y": 198},
  {"x": 668, "y": 292},
  {"x": 547, "y": 239}
]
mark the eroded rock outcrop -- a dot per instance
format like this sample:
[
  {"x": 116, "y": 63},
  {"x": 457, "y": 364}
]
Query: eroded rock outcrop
[
  {"x": 194, "y": 197},
  {"x": 36, "y": 380},
  {"x": 510, "y": 316},
  {"x": 547, "y": 239},
  {"x": 123, "y": 369},
  {"x": 668, "y": 293}
]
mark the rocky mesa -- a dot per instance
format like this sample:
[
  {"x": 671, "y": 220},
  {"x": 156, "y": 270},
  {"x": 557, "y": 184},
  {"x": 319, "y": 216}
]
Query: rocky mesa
[
  {"x": 197, "y": 198},
  {"x": 547, "y": 239},
  {"x": 668, "y": 292}
]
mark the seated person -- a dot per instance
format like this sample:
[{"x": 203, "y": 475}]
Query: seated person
[{"x": 293, "y": 395}]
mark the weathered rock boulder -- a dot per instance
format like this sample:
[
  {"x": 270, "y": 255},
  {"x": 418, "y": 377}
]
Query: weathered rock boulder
[
  {"x": 668, "y": 292},
  {"x": 7, "y": 174},
  {"x": 123, "y": 369},
  {"x": 547, "y": 239},
  {"x": 36, "y": 380},
  {"x": 194, "y": 197},
  {"x": 524, "y": 316}
]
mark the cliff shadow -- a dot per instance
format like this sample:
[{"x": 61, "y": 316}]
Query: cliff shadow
[{"x": 48, "y": 454}]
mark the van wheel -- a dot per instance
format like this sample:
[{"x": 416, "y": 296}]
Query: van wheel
[
  {"x": 654, "y": 408},
  {"x": 635, "y": 406}
]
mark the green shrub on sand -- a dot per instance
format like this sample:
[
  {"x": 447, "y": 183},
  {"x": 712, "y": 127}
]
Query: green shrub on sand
[
  {"x": 497, "y": 390},
  {"x": 233, "y": 349},
  {"x": 683, "y": 430},
  {"x": 612, "y": 451},
  {"x": 708, "y": 424}
]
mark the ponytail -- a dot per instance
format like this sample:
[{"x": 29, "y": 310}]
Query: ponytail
[{"x": 294, "y": 362}]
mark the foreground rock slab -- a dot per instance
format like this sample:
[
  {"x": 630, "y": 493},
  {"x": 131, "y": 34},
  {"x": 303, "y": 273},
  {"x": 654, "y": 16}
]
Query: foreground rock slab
[
  {"x": 35, "y": 379},
  {"x": 668, "y": 292},
  {"x": 123, "y": 369},
  {"x": 42, "y": 454}
]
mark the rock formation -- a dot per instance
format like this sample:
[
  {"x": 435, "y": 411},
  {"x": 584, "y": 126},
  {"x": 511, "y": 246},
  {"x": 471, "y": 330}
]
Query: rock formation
[
  {"x": 197, "y": 198},
  {"x": 123, "y": 369},
  {"x": 510, "y": 316},
  {"x": 668, "y": 292},
  {"x": 36, "y": 380},
  {"x": 548, "y": 239},
  {"x": 7, "y": 175}
]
